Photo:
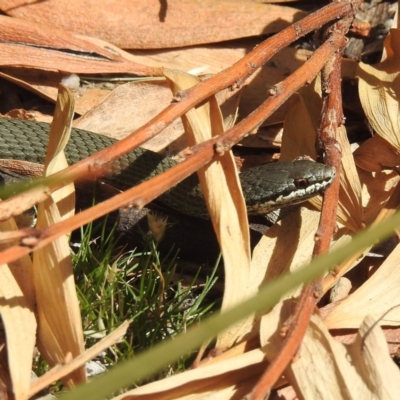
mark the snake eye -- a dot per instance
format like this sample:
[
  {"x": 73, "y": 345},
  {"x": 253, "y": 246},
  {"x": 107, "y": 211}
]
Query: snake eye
[{"x": 301, "y": 183}]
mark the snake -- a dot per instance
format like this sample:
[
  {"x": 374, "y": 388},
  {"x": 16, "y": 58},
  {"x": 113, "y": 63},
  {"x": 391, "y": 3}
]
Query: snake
[{"x": 266, "y": 188}]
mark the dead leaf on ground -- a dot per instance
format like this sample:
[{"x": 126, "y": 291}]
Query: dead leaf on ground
[
  {"x": 151, "y": 25},
  {"x": 127, "y": 108}
]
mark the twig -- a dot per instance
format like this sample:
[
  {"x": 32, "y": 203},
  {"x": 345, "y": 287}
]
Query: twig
[{"x": 332, "y": 118}]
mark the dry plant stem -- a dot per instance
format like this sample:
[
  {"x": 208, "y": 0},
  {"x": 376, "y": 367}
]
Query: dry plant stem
[
  {"x": 332, "y": 118},
  {"x": 201, "y": 154},
  {"x": 235, "y": 75}
]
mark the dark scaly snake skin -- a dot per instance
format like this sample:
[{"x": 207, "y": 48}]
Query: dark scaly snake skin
[{"x": 266, "y": 188}]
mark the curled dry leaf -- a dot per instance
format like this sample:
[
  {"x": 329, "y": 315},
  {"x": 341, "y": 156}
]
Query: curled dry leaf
[
  {"x": 224, "y": 198},
  {"x": 55, "y": 159}
]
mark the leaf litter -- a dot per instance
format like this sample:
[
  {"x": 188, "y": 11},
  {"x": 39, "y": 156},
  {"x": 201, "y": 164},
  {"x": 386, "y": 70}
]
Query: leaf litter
[{"x": 364, "y": 366}]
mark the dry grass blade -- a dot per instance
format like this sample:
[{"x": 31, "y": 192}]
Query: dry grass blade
[
  {"x": 227, "y": 379},
  {"x": 60, "y": 335},
  {"x": 17, "y": 309},
  {"x": 224, "y": 198},
  {"x": 61, "y": 370}
]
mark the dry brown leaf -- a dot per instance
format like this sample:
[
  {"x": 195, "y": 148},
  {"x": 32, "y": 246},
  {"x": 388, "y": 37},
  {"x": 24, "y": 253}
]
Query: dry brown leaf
[
  {"x": 135, "y": 24},
  {"x": 376, "y": 154},
  {"x": 363, "y": 370},
  {"x": 127, "y": 108},
  {"x": 380, "y": 92},
  {"x": 347, "y": 336},
  {"x": 17, "y": 309},
  {"x": 375, "y": 297},
  {"x": 377, "y": 187},
  {"x": 376, "y": 190},
  {"x": 224, "y": 198},
  {"x": 60, "y": 334},
  {"x": 214, "y": 57},
  {"x": 28, "y": 44}
]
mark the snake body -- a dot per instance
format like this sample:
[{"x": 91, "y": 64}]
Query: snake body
[{"x": 266, "y": 188}]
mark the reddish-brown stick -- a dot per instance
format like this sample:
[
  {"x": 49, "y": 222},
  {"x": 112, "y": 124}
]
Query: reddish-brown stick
[{"x": 332, "y": 118}]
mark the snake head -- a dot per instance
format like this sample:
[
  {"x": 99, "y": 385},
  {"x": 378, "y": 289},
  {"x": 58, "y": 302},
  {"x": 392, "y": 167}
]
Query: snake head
[{"x": 273, "y": 186}]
